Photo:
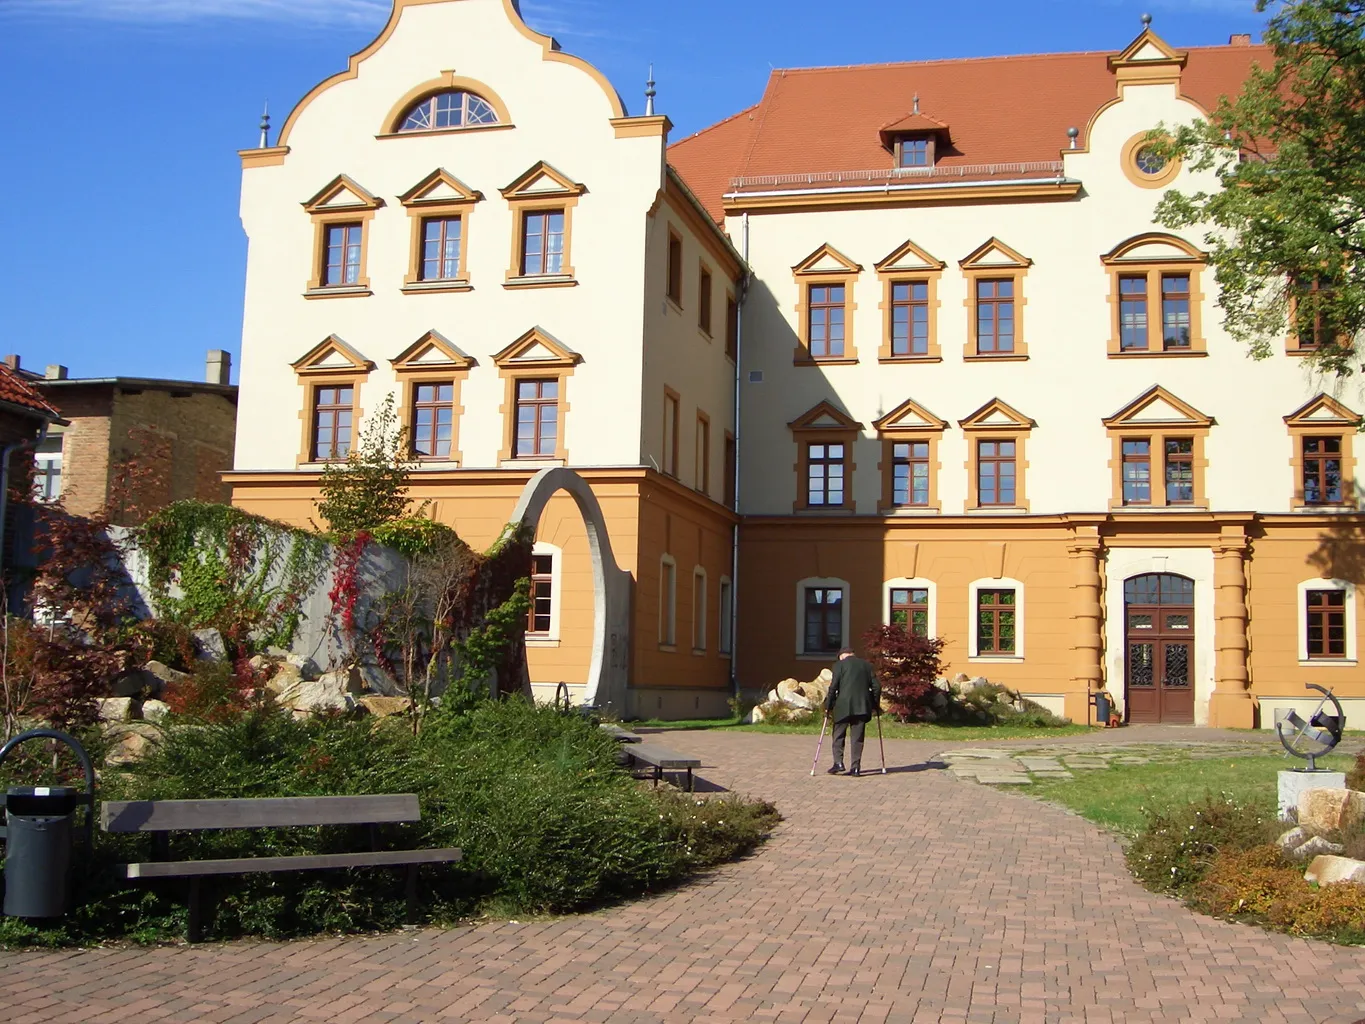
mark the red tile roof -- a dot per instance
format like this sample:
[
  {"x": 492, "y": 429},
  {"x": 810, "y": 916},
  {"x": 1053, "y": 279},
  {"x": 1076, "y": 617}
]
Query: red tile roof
[
  {"x": 15, "y": 390},
  {"x": 1002, "y": 110}
]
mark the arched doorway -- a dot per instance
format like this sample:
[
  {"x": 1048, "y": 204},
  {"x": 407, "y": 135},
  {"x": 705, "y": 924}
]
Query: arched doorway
[
  {"x": 608, "y": 672},
  {"x": 1159, "y": 658}
]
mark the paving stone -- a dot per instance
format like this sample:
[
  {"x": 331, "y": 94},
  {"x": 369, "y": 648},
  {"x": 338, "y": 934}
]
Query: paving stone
[{"x": 1033, "y": 918}]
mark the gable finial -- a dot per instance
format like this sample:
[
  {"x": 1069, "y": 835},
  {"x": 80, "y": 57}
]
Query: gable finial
[
  {"x": 1072, "y": 133},
  {"x": 1146, "y": 22},
  {"x": 916, "y": 108},
  {"x": 649, "y": 92},
  {"x": 265, "y": 126}
]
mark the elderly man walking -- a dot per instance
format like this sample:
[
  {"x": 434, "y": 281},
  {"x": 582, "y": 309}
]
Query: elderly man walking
[{"x": 854, "y": 697}]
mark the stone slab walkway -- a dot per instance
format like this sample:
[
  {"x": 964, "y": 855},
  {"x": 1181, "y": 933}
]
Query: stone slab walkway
[{"x": 906, "y": 897}]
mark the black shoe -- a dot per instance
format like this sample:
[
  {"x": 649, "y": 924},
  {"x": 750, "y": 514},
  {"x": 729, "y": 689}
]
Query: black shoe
[
  {"x": 855, "y": 772},
  {"x": 838, "y": 769}
]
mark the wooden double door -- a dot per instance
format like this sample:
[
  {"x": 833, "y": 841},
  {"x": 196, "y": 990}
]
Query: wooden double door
[{"x": 1159, "y": 634}]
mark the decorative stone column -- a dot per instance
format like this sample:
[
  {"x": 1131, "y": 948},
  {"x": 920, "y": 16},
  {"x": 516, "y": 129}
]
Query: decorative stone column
[
  {"x": 1231, "y": 706},
  {"x": 1087, "y": 615}
]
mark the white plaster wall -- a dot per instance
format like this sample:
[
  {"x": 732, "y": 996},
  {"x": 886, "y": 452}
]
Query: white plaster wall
[
  {"x": 561, "y": 115},
  {"x": 1195, "y": 563},
  {"x": 1068, "y": 384}
]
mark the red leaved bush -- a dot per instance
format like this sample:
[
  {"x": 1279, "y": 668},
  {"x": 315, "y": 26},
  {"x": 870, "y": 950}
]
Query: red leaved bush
[{"x": 907, "y": 666}]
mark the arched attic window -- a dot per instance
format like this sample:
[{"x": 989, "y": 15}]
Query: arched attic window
[{"x": 451, "y": 109}]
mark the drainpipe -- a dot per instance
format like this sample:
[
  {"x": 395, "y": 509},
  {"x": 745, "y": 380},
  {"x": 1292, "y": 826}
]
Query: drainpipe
[
  {"x": 734, "y": 545},
  {"x": 5, "y": 453}
]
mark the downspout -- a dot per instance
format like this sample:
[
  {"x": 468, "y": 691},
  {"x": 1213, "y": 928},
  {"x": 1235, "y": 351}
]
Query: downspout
[
  {"x": 734, "y": 544},
  {"x": 5, "y": 453}
]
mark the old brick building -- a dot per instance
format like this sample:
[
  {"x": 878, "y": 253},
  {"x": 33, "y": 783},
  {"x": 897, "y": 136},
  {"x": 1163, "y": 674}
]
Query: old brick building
[{"x": 181, "y": 431}]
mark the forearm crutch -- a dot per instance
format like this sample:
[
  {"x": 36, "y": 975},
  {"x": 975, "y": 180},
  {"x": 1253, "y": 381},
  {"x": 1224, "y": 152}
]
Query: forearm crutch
[
  {"x": 881, "y": 742},
  {"x": 820, "y": 742}
]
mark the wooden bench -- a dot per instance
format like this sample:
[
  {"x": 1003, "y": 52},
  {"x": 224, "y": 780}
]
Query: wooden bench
[
  {"x": 161, "y": 817},
  {"x": 620, "y": 735},
  {"x": 661, "y": 760}
]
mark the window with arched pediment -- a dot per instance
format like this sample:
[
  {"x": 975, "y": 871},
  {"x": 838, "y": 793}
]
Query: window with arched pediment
[{"x": 451, "y": 109}]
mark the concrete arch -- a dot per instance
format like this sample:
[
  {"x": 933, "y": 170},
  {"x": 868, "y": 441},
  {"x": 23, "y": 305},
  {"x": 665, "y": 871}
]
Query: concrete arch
[{"x": 608, "y": 671}]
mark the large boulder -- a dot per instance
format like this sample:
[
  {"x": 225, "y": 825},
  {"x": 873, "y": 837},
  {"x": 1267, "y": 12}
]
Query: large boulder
[
  {"x": 155, "y": 710},
  {"x": 796, "y": 700},
  {"x": 209, "y": 646},
  {"x": 788, "y": 688},
  {"x": 130, "y": 742},
  {"x": 307, "y": 667},
  {"x": 115, "y": 709},
  {"x": 1316, "y": 846},
  {"x": 167, "y": 675},
  {"x": 1331, "y": 810},
  {"x": 383, "y": 707},
  {"x": 285, "y": 684},
  {"x": 1329, "y": 870},
  {"x": 137, "y": 682},
  {"x": 327, "y": 693}
]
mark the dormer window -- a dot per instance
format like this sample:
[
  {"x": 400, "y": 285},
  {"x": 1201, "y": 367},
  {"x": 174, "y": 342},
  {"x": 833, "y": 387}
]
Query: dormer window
[{"x": 912, "y": 152}]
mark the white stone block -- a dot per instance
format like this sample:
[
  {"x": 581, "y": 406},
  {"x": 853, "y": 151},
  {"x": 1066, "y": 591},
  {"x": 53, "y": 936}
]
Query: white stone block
[{"x": 1294, "y": 783}]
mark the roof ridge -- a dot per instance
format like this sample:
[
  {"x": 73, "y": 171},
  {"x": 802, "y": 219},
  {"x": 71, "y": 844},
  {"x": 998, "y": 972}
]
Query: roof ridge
[
  {"x": 815, "y": 69},
  {"x": 710, "y": 127}
]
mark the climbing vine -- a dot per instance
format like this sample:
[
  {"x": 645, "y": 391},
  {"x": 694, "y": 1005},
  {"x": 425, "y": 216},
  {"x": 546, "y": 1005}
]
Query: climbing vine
[{"x": 212, "y": 565}]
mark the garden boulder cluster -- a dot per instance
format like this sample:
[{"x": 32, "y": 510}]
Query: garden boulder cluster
[{"x": 1324, "y": 812}]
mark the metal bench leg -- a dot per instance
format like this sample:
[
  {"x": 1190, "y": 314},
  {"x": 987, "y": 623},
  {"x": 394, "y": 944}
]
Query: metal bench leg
[
  {"x": 195, "y": 929},
  {"x": 690, "y": 787},
  {"x": 658, "y": 774},
  {"x": 411, "y": 890}
]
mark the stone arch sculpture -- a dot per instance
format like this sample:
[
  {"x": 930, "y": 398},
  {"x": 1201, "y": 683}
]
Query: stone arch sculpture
[{"x": 609, "y": 669}]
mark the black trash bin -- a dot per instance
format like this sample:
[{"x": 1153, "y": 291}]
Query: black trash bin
[
  {"x": 39, "y": 833},
  {"x": 1102, "y": 709},
  {"x": 38, "y": 839}
]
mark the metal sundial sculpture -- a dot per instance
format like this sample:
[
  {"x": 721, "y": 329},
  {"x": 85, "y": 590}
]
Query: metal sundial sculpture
[{"x": 1317, "y": 736}]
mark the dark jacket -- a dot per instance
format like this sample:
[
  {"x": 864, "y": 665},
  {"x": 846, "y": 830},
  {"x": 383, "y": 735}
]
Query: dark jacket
[{"x": 854, "y": 691}]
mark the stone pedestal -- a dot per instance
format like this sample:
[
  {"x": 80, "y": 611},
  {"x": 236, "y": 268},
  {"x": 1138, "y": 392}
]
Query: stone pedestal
[{"x": 1294, "y": 783}]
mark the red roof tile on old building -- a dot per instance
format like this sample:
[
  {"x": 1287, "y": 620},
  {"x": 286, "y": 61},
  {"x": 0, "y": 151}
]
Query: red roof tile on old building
[
  {"x": 15, "y": 390},
  {"x": 1002, "y": 110}
]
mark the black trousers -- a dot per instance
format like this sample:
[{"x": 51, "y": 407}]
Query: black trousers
[{"x": 854, "y": 728}]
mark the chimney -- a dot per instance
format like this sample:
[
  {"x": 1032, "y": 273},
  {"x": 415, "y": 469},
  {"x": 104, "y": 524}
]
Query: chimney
[
  {"x": 55, "y": 371},
  {"x": 1240, "y": 39},
  {"x": 218, "y": 370},
  {"x": 12, "y": 361}
]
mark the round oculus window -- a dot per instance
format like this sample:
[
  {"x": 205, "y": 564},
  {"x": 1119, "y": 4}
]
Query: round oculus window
[{"x": 1149, "y": 161}]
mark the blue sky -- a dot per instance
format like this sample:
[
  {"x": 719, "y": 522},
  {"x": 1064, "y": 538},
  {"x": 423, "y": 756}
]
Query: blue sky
[{"x": 121, "y": 178}]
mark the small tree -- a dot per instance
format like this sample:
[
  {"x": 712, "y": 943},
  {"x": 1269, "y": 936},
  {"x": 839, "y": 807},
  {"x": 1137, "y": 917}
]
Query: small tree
[
  {"x": 907, "y": 665},
  {"x": 371, "y": 487}
]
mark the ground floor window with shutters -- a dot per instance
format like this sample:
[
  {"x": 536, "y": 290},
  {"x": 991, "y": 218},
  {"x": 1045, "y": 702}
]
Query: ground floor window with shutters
[{"x": 1327, "y": 623}]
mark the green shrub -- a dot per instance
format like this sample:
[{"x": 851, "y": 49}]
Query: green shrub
[
  {"x": 546, "y": 820},
  {"x": 1175, "y": 848},
  {"x": 412, "y": 535}
]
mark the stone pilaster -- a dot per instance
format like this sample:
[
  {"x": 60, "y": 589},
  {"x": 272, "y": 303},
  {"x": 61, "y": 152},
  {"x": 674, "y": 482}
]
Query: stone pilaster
[{"x": 1087, "y": 615}]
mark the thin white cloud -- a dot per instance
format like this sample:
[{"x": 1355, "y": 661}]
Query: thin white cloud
[{"x": 315, "y": 12}]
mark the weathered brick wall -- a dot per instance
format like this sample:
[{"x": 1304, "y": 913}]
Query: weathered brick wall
[
  {"x": 182, "y": 440},
  {"x": 85, "y": 447}
]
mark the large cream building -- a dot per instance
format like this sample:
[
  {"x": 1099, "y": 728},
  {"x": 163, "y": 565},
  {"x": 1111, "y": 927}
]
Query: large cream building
[{"x": 978, "y": 390}]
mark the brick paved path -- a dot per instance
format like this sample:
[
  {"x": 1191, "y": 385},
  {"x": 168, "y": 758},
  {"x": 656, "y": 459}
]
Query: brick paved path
[{"x": 906, "y": 897}]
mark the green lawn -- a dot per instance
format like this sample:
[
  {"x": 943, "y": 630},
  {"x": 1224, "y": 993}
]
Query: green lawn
[
  {"x": 1116, "y": 797},
  {"x": 890, "y": 729}
]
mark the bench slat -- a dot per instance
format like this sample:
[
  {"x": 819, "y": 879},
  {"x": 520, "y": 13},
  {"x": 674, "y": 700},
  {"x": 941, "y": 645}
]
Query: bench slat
[
  {"x": 660, "y": 757},
  {"x": 264, "y": 812},
  {"x": 252, "y": 865},
  {"x": 619, "y": 734}
]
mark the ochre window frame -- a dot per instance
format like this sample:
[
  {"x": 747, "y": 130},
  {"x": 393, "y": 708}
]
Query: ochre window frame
[
  {"x": 978, "y": 427},
  {"x": 1118, "y": 264},
  {"x": 420, "y": 208},
  {"x": 975, "y": 270},
  {"x": 1126, "y": 425},
  {"x": 515, "y": 365},
  {"x": 673, "y": 270},
  {"x": 330, "y": 363},
  {"x": 415, "y": 365},
  {"x": 809, "y": 274},
  {"x": 325, "y": 213},
  {"x": 671, "y": 423},
  {"x": 892, "y": 270},
  {"x": 701, "y": 472},
  {"x": 523, "y": 200},
  {"x": 1308, "y": 421},
  {"x": 1341, "y": 343},
  {"x": 706, "y": 300},
  {"x": 731, "y": 327},
  {"x": 807, "y": 429},
  {"x": 892, "y": 431},
  {"x": 448, "y": 81}
]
